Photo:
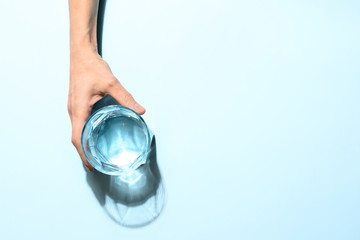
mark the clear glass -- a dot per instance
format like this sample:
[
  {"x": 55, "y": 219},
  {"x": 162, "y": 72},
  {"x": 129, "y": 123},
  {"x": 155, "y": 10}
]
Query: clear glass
[{"x": 116, "y": 140}]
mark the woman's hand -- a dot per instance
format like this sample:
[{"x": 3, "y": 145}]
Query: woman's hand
[{"x": 90, "y": 80}]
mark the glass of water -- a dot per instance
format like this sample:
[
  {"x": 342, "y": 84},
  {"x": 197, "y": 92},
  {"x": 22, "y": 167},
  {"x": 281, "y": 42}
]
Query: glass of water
[{"x": 115, "y": 139}]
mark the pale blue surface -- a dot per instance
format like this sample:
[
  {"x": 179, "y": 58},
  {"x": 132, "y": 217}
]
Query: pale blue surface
[{"x": 255, "y": 106}]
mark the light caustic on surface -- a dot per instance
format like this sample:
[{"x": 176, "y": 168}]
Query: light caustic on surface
[{"x": 120, "y": 140}]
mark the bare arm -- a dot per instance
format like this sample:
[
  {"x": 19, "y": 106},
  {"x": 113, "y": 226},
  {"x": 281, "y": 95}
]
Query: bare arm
[{"x": 90, "y": 76}]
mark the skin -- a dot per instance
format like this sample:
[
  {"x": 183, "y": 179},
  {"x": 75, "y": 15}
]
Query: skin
[{"x": 90, "y": 76}]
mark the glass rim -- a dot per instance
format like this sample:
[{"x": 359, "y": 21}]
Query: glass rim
[{"x": 98, "y": 164}]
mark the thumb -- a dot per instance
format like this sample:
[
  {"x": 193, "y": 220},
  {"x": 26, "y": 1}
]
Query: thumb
[{"x": 123, "y": 97}]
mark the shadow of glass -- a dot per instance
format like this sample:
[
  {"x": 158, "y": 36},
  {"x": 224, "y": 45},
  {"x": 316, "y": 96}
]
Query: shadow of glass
[{"x": 134, "y": 200}]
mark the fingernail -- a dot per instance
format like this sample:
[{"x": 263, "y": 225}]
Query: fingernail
[{"x": 139, "y": 108}]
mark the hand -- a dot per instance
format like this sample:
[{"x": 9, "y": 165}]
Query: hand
[{"x": 90, "y": 80}]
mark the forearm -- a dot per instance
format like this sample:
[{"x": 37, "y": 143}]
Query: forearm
[{"x": 83, "y": 20}]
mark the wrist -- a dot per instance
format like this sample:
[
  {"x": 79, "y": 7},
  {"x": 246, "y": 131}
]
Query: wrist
[
  {"x": 82, "y": 50},
  {"x": 82, "y": 56},
  {"x": 83, "y": 45}
]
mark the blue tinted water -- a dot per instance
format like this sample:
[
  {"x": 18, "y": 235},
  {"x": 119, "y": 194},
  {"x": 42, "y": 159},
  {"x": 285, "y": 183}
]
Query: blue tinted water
[{"x": 120, "y": 140}]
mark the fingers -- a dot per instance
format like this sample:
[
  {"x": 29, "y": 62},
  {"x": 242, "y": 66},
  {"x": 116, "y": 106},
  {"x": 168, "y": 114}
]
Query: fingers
[
  {"x": 88, "y": 166},
  {"x": 78, "y": 123},
  {"x": 123, "y": 97}
]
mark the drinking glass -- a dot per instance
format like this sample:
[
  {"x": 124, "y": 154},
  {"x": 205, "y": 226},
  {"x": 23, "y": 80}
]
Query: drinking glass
[{"x": 115, "y": 139}]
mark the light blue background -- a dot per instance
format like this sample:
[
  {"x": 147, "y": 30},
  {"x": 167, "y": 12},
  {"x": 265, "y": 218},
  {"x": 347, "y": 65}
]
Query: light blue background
[{"x": 255, "y": 105}]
